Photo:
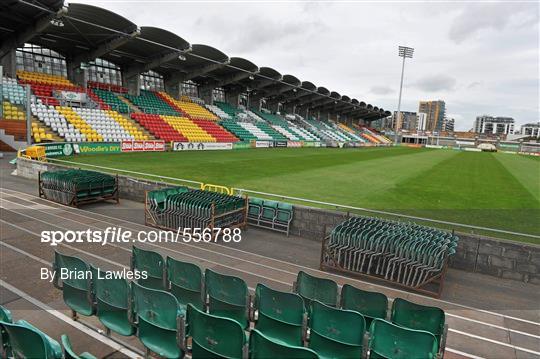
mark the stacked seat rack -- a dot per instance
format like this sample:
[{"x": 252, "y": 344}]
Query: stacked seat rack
[
  {"x": 177, "y": 208},
  {"x": 75, "y": 187},
  {"x": 405, "y": 254}
]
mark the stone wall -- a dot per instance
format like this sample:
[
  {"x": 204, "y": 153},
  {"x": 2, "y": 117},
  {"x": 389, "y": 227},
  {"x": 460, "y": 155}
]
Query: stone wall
[{"x": 491, "y": 256}]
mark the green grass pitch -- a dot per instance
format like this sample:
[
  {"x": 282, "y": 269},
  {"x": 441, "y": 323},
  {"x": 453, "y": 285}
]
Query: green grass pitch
[{"x": 495, "y": 190}]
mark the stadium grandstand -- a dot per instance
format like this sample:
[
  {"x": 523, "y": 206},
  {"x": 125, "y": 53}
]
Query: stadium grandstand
[
  {"x": 78, "y": 77},
  {"x": 126, "y": 82}
]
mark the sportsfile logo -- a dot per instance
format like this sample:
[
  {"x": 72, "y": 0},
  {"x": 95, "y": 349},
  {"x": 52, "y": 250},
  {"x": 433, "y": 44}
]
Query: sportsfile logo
[{"x": 112, "y": 235}]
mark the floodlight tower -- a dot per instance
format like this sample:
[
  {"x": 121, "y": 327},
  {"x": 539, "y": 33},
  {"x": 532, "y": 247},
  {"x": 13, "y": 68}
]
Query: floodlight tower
[{"x": 405, "y": 52}]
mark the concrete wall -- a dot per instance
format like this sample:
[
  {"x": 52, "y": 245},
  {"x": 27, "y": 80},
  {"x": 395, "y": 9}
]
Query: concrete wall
[{"x": 495, "y": 257}]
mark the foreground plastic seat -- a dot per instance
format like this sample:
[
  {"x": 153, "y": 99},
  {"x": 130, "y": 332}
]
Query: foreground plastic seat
[
  {"x": 69, "y": 353},
  {"x": 151, "y": 262},
  {"x": 26, "y": 341},
  {"x": 280, "y": 315},
  {"x": 370, "y": 304},
  {"x": 263, "y": 347},
  {"x": 111, "y": 298},
  {"x": 335, "y": 333},
  {"x": 313, "y": 288},
  {"x": 186, "y": 282},
  {"x": 157, "y": 315},
  {"x": 5, "y": 316},
  {"x": 387, "y": 340},
  {"x": 77, "y": 293},
  {"x": 228, "y": 296},
  {"x": 214, "y": 336},
  {"x": 420, "y": 317}
]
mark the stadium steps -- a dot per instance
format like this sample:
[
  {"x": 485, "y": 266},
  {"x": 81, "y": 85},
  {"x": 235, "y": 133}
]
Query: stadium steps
[
  {"x": 188, "y": 108},
  {"x": 151, "y": 103},
  {"x": 14, "y": 128},
  {"x": 4, "y": 147},
  {"x": 9, "y": 140},
  {"x": 47, "y": 130},
  {"x": 158, "y": 127},
  {"x": 132, "y": 107},
  {"x": 346, "y": 128},
  {"x": 139, "y": 127},
  {"x": 171, "y": 102},
  {"x": 216, "y": 131},
  {"x": 189, "y": 129},
  {"x": 97, "y": 100},
  {"x": 79, "y": 123}
]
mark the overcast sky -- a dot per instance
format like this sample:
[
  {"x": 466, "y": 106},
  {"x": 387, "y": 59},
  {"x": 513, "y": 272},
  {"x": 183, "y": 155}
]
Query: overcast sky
[{"x": 480, "y": 58}]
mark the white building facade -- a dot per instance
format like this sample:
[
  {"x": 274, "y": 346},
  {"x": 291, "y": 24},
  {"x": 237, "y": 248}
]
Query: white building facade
[{"x": 490, "y": 125}]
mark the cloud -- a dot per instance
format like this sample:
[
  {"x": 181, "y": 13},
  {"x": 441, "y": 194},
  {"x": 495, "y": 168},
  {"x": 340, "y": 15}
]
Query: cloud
[
  {"x": 495, "y": 16},
  {"x": 382, "y": 90},
  {"x": 435, "y": 83},
  {"x": 474, "y": 84}
]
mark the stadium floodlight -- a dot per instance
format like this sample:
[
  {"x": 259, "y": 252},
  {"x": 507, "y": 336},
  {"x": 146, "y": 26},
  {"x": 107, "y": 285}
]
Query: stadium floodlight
[{"x": 404, "y": 52}]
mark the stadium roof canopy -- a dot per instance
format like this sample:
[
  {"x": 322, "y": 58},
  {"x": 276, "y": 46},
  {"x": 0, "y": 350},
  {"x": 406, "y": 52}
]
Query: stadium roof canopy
[{"x": 83, "y": 33}]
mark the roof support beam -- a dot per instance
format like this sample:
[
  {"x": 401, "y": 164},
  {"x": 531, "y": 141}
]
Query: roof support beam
[
  {"x": 152, "y": 64},
  {"x": 307, "y": 100},
  {"x": 361, "y": 110},
  {"x": 263, "y": 83},
  {"x": 39, "y": 26},
  {"x": 279, "y": 90},
  {"x": 232, "y": 79},
  {"x": 101, "y": 50},
  {"x": 195, "y": 72},
  {"x": 322, "y": 102}
]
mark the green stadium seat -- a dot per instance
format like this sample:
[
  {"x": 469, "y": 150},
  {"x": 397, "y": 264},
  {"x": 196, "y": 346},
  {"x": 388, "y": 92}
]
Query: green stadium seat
[
  {"x": 313, "y": 288},
  {"x": 284, "y": 216},
  {"x": 77, "y": 293},
  {"x": 335, "y": 333},
  {"x": 270, "y": 214},
  {"x": 151, "y": 262},
  {"x": 254, "y": 209},
  {"x": 26, "y": 341},
  {"x": 420, "y": 317},
  {"x": 263, "y": 347},
  {"x": 157, "y": 315},
  {"x": 387, "y": 340},
  {"x": 69, "y": 353},
  {"x": 280, "y": 315},
  {"x": 228, "y": 296},
  {"x": 111, "y": 298},
  {"x": 214, "y": 336},
  {"x": 269, "y": 211},
  {"x": 186, "y": 282},
  {"x": 370, "y": 304}
]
